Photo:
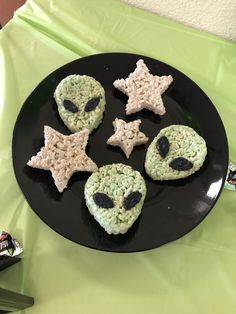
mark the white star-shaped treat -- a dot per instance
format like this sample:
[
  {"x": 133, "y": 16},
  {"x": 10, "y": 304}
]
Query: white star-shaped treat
[
  {"x": 63, "y": 155},
  {"x": 127, "y": 135},
  {"x": 144, "y": 89}
]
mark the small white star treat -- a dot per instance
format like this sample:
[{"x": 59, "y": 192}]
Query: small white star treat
[
  {"x": 144, "y": 89},
  {"x": 127, "y": 135},
  {"x": 63, "y": 155}
]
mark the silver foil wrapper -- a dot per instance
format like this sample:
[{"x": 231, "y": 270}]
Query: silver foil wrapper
[
  {"x": 8, "y": 245},
  {"x": 230, "y": 182}
]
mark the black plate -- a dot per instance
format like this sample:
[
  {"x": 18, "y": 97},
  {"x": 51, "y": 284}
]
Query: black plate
[{"x": 172, "y": 208}]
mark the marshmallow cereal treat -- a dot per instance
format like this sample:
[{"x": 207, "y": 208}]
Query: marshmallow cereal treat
[
  {"x": 176, "y": 152},
  {"x": 144, "y": 89},
  {"x": 81, "y": 102},
  {"x": 115, "y": 195},
  {"x": 127, "y": 135},
  {"x": 63, "y": 155}
]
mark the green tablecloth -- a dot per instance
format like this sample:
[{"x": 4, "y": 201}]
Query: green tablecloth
[{"x": 197, "y": 273}]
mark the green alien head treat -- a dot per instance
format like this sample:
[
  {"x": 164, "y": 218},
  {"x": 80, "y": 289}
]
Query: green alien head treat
[
  {"x": 81, "y": 102},
  {"x": 176, "y": 152},
  {"x": 115, "y": 195}
]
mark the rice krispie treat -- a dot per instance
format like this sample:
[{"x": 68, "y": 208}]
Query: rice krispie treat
[
  {"x": 63, "y": 155},
  {"x": 144, "y": 89},
  {"x": 176, "y": 152},
  {"x": 127, "y": 135},
  {"x": 81, "y": 102},
  {"x": 114, "y": 195}
]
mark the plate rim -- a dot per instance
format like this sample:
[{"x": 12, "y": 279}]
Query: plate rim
[{"x": 16, "y": 124}]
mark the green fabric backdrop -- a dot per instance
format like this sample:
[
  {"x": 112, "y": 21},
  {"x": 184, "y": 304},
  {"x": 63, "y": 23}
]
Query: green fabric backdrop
[{"x": 197, "y": 273}]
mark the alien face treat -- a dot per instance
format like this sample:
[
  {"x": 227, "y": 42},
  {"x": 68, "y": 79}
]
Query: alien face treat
[
  {"x": 144, "y": 89},
  {"x": 81, "y": 102},
  {"x": 114, "y": 195},
  {"x": 63, "y": 155},
  {"x": 127, "y": 135},
  {"x": 176, "y": 152}
]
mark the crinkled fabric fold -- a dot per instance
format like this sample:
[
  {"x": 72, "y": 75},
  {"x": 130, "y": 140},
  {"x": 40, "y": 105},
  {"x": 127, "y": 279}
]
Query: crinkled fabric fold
[{"x": 195, "y": 274}]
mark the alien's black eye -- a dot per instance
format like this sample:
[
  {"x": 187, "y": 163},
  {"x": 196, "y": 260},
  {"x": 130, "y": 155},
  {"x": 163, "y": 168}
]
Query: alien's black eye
[
  {"x": 131, "y": 200},
  {"x": 70, "y": 106},
  {"x": 103, "y": 200},
  {"x": 180, "y": 164},
  {"x": 163, "y": 146},
  {"x": 92, "y": 104}
]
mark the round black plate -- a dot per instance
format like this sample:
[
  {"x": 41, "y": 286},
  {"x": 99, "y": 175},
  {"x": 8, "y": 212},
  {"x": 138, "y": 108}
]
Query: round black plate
[{"x": 171, "y": 208}]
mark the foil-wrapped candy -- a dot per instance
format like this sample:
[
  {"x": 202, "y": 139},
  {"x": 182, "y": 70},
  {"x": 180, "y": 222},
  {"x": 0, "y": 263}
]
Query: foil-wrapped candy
[{"x": 8, "y": 245}]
